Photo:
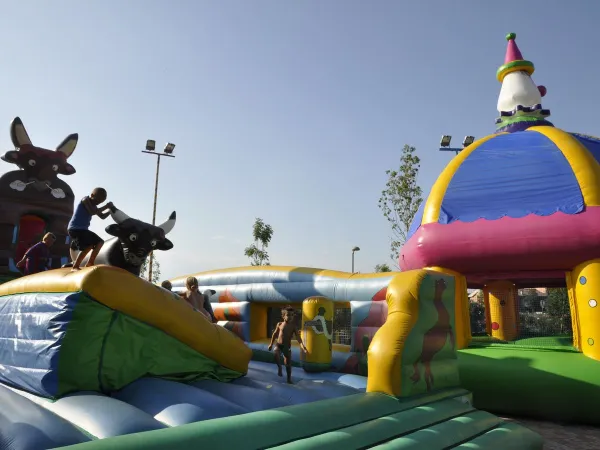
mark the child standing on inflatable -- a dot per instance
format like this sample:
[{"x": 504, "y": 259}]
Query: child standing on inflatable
[
  {"x": 195, "y": 299},
  {"x": 37, "y": 257},
  {"x": 284, "y": 331},
  {"x": 82, "y": 239}
]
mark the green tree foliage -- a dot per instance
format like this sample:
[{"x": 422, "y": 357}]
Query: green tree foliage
[
  {"x": 382, "y": 268},
  {"x": 530, "y": 303},
  {"x": 477, "y": 313},
  {"x": 557, "y": 306},
  {"x": 401, "y": 198},
  {"x": 257, "y": 252},
  {"x": 155, "y": 269}
]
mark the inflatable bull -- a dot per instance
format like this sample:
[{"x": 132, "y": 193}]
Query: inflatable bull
[{"x": 133, "y": 241}]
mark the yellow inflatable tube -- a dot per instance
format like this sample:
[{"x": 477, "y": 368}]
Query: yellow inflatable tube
[
  {"x": 584, "y": 285},
  {"x": 121, "y": 291},
  {"x": 387, "y": 346},
  {"x": 414, "y": 352}
]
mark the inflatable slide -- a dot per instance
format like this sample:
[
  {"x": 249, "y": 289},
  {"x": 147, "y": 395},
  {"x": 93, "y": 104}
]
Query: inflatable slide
[{"x": 102, "y": 359}]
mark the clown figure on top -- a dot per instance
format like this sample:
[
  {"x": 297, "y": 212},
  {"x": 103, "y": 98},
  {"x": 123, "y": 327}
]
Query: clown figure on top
[{"x": 520, "y": 100}]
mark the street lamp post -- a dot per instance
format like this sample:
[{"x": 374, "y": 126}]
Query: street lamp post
[
  {"x": 355, "y": 249},
  {"x": 167, "y": 151},
  {"x": 445, "y": 143}
]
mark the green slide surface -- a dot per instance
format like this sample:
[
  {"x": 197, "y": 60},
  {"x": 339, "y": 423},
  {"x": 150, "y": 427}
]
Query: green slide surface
[{"x": 439, "y": 420}]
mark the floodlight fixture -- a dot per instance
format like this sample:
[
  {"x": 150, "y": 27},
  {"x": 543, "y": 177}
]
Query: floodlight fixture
[
  {"x": 150, "y": 145},
  {"x": 356, "y": 249},
  {"x": 468, "y": 140},
  {"x": 169, "y": 148},
  {"x": 445, "y": 142}
]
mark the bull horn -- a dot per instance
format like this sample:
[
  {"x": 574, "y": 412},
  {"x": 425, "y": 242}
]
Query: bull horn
[
  {"x": 119, "y": 216},
  {"x": 169, "y": 224}
]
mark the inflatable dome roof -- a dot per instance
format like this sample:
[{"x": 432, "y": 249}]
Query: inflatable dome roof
[{"x": 521, "y": 204}]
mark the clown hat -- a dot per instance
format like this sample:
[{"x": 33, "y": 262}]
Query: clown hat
[{"x": 513, "y": 61}]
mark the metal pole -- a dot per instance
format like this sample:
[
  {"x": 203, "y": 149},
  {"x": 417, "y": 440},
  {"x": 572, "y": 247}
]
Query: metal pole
[
  {"x": 151, "y": 256},
  {"x": 352, "y": 261}
]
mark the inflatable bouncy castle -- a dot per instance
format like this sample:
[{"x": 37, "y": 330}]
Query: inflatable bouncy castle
[
  {"x": 33, "y": 200},
  {"x": 519, "y": 209},
  {"x": 102, "y": 359}
]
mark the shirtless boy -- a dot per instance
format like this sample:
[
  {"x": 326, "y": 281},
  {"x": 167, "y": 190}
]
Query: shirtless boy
[{"x": 284, "y": 331}]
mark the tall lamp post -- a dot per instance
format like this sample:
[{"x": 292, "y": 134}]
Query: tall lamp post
[
  {"x": 167, "y": 151},
  {"x": 445, "y": 144},
  {"x": 355, "y": 249}
]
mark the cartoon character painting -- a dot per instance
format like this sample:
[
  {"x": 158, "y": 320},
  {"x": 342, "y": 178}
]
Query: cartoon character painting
[
  {"x": 33, "y": 200},
  {"x": 320, "y": 325},
  {"x": 435, "y": 338}
]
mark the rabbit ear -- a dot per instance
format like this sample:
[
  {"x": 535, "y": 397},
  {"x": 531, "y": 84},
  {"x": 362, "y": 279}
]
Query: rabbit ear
[
  {"x": 67, "y": 147},
  {"x": 18, "y": 133}
]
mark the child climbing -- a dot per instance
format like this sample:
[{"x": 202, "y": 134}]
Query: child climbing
[
  {"x": 194, "y": 298},
  {"x": 284, "y": 331},
  {"x": 37, "y": 257},
  {"x": 83, "y": 240},
  {"x": 435, "y": 338}
]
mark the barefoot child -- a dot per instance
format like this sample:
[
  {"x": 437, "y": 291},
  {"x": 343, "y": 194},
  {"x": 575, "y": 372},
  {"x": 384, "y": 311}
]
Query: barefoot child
[
  {"x": 284, "y": 331},
  {"x": 36, "y": 259},
  {"x": 194, "y": 298},
  {"x": 84, "y": 240}
]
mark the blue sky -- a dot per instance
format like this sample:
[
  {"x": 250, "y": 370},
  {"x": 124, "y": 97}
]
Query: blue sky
[{"x": 288, "y": 111}]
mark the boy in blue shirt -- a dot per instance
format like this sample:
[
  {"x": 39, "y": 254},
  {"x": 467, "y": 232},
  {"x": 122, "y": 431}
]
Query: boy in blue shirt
[{"x": 82, "y": 239}]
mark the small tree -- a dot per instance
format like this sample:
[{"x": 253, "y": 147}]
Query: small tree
[
  {"x": 477, "y": 316},
  {"x": 382, "y": 268},
  {"x": 557, "y": 307},
  {"x": 155, "y": 269},
  {"x": 257, "y": 252},
  {"x": 401, "y": 198}
]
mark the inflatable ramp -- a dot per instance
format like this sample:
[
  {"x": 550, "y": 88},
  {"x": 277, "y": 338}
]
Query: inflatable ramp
[
  {"x": 441, "y": 421},
  {"x": 102, "y": 328}
]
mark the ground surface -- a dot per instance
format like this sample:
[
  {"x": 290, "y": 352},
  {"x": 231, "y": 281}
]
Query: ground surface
[{"x": 563, "y": 437}]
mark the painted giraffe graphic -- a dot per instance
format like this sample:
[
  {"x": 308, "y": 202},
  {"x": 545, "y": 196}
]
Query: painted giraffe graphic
[
  {"x": 321, "y": 326},
  {"x": 435, "y": 338}
]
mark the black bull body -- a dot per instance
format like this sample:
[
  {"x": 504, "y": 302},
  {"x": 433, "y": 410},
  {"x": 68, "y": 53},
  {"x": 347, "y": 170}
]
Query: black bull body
[{"x": 133, "y": 241}]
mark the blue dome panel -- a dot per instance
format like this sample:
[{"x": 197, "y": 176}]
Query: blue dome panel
[
  {"x": 416, "y": 223},
  {"x": 512, "y": 175}
]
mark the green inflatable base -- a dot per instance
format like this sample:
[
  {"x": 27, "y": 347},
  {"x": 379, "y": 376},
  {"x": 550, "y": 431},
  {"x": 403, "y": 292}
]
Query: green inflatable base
[
  {"x": 104, "y": 350},
  {"x": 543, "y": 384},
  {"x": 439, "y": 421}
]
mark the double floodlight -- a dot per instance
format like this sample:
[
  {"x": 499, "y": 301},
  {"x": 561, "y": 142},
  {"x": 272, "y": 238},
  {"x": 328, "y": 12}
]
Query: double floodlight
[
  {"x": 151, "y": 146},
  {"x": 446, "y": 139}
]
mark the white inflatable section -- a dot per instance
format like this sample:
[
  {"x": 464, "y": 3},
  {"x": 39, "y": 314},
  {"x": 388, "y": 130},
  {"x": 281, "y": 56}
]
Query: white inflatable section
[{"x": 518, "y": 89}]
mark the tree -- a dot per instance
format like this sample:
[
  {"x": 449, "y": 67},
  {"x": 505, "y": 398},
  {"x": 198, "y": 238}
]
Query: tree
[
  {"x": 257, "y": 252},
  {"x": 382, "y": 268},
  {"x": 401, "y": 198},
  {"x": 557, "y": 307},
  {"x": 155, "y": 269},
  {"x": 477, "y": 316}
]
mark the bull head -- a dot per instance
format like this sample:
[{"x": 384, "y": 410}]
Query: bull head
[
  {"x": 139, "y": 238},
  {"x": 40, "y": 166}
]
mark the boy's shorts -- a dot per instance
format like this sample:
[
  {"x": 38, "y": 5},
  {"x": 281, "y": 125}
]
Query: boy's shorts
[
  {"x": 82, "y": 239},
  {"x": 285, "y": 350}
]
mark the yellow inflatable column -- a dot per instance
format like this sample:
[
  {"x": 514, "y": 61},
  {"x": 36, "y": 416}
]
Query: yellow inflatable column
[
  {"x": 501, "y": 302},
  {"x": 317, "y": 333},
  {"x": 585, "y": 290}
]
